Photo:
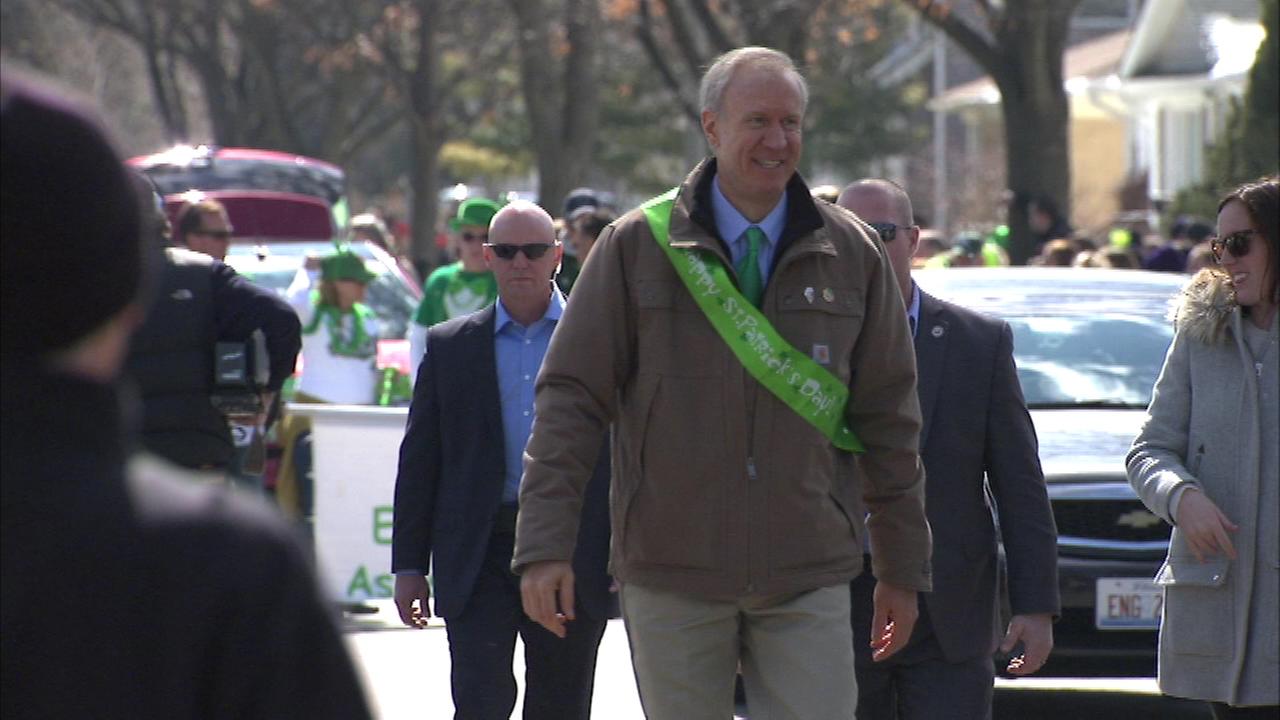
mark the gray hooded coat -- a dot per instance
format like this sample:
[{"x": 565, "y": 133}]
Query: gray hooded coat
[{"x": 1212, "y": 425}]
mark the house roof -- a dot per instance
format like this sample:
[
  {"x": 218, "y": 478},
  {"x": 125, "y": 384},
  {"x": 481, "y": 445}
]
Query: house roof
[
  {"x": 1080, "y": 63},
  {"x": 1193, "y": 37}
]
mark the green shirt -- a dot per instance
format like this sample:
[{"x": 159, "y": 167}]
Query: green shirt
[{"x": 451, "y": 291}]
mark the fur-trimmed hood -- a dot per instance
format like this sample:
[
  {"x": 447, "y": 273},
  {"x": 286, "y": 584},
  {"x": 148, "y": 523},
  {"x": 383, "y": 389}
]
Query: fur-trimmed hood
[{"x": 1203, "y": 309}]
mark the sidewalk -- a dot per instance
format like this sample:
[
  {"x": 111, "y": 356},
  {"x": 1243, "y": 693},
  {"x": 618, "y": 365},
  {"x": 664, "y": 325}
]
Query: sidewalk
[{"x": 406, "y": 672}]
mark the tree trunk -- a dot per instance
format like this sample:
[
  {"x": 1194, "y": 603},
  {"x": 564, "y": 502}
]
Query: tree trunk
[
  {"x": 1038, "y": 163},
  {"x": 425, "y": 140},
  {"x": 563, "y": 117}
]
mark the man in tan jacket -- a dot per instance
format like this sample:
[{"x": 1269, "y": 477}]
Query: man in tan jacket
[{"x": 737, "y": 520}]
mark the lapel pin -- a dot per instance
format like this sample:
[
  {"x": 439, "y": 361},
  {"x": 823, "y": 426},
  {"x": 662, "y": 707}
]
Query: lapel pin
[
  {"x": 828, "y": 295},
  {"x": 808, "y": 295},
  {"x": 937, "y": 331}
]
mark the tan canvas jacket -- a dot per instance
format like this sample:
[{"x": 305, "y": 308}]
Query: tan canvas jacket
[{"x": 719, "y": 489}]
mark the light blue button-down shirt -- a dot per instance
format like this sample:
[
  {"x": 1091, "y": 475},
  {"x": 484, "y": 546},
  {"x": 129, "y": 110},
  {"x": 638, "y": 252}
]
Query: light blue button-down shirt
[
  {"x": 732, "y": 225},
  {"x": 913, "y": 310},
  {"x": 519, "y": 351}
]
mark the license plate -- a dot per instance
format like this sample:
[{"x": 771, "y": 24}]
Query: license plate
[{"x": 1128, "y": 604}]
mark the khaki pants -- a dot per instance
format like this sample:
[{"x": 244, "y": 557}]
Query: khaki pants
[{"x": 796, "y": 654}]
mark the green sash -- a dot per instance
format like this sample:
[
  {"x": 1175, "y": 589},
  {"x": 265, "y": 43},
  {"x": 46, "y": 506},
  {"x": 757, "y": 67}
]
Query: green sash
[{"x": 805, "y": 386}]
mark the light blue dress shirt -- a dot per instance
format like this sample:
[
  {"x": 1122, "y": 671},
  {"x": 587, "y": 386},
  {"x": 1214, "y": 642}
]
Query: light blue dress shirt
[
  {"x": 732, "y": 225},
  {"x": 913, "y": 310},
  {"x": 519, "y": 351}
]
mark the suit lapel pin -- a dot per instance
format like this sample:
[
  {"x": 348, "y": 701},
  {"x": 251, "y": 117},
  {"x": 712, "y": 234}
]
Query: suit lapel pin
[
  {"x": 828, "y": 295},
  {"x": 808, "y": 295},
  {"x": 937, "y": 331}
]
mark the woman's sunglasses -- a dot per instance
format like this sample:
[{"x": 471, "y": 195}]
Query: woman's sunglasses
[
  {"x": 533, "y": 251},
  {"x": 1237, "y": 243}
]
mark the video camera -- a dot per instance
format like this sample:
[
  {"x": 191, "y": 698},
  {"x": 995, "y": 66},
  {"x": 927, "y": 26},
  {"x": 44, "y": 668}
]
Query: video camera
[{"x": 240, "y": 372}]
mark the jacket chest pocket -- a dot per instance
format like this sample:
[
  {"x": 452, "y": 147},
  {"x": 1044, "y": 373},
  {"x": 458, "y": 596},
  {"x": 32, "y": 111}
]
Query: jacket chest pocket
[
  {"x": 823, "y": 323},
  {"x": 674, "y": 336}
]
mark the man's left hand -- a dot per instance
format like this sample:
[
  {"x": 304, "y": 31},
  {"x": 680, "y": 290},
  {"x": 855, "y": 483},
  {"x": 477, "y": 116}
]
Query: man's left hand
[
  {"x": 1035, "y": 632},
  {"x": 896, "y": 611}
]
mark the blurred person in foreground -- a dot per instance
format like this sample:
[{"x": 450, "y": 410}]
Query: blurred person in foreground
[
  {"x": 196, "y": 603},
  {"x": 198, "y": 302},
  {"x": 458, "y": 482},
  {"x": 461, "y": 287},
  {"x": 203, "y": 226},
  {"x": 737, "y": 504},
  {"x": 1207, "y": 461},
  {"x": 977, "y": 432}
]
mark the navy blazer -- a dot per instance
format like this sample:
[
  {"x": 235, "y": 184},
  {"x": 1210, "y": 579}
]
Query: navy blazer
[
  {"x": 976, "y": 423},
  {"x": 452, "y": 469}
]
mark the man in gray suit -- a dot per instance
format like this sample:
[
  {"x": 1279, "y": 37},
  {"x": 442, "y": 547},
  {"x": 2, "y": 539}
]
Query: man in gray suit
[{"x": 975, "y": 423}]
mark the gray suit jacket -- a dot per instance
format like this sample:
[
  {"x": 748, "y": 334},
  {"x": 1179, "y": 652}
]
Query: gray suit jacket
[{"x": 976, "y": 423}]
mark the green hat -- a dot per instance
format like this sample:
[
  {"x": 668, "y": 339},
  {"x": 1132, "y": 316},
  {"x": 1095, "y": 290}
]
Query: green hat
[
  {"x": 476, "y": 211},
  {"x": 345, "y": 265}
]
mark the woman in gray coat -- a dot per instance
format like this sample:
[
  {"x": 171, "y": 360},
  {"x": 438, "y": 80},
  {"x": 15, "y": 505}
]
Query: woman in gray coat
[{"x": 1208, "y": 462}]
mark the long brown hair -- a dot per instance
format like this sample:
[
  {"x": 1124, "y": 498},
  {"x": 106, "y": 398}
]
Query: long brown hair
[{"x": 1261, "y": 200}]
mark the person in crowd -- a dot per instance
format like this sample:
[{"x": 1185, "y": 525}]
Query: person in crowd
[
  {"x": 931, "y": 245},
  {"x": 203, "y": 226},
  {"x": 1207, "y": 462},
  {"x": 976, "y": 426},
  {"x": 1199, "y": 258},
  {"x": 579, "y": 203},
  {"x": 369, "y": 227},
  {"x": 339, "y": 353},
  {"x": 1059, "y": 252},
  {"x": 1171, "y": 255},
  {"x": 458, "y": 485},
  {"x": 1045, "y": 220},
  {"x": 461, "y": 287},
  {"x": 738, "y": 510},
  {"x": 201, "y": 602},
  {"x": 586, "y": 228},
  {"x": 198, "y": 302}
]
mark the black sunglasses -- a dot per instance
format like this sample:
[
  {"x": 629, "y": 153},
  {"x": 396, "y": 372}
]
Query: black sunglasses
[
  {"x": 472, "y": 237},
  {"x": 220, "y": 234},
  {"x": 533, "y": 251},
  {"x": 888, "y": 231},
  {"x": 1237, "y": 242}
]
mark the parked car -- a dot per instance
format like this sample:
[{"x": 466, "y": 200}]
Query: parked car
[{"x": 1088, "y": 344}]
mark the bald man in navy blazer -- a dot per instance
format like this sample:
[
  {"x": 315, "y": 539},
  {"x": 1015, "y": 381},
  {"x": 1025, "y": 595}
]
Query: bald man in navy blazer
[
  {"x": 976, "y": 425},
  {"x": 458, "y": 483}
]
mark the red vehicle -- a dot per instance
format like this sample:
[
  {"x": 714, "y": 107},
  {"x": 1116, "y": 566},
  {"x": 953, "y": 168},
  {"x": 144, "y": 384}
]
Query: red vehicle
[{"x": 269, "y": 195}]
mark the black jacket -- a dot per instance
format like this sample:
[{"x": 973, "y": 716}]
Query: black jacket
[
  {"x": 198, "y": 302},
  {"x": 132, "y": 591}
]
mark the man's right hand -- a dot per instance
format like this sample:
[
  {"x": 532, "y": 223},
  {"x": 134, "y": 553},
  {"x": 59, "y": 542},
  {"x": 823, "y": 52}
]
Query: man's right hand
[
  {"x": 547, "y": 591},
  {"x": 410, "y": 589}
]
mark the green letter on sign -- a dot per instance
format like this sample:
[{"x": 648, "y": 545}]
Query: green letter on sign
[{"x": 382, "y": 524}]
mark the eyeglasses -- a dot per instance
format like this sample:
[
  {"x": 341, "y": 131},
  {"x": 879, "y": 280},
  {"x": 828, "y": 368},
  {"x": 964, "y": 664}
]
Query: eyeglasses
[
  {"x": 533, "y": 251},
  {"x": 472, "y": 237},
  {"x": 220, "y": 234},
  {"x": 1237, "y": 242},
  {"x": 888, "y": 231}
]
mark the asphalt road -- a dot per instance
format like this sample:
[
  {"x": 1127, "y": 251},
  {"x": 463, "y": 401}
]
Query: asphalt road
[{"x": 406, "y": 673}]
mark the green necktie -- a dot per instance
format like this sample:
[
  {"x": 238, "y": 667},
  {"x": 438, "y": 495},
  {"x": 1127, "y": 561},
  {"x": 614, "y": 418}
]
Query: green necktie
[{"x": 748, "y": 268}]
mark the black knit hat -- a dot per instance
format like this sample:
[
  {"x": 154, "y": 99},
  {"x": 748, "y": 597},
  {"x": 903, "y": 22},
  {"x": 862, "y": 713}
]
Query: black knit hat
[{"x": 71, "y": 251}]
